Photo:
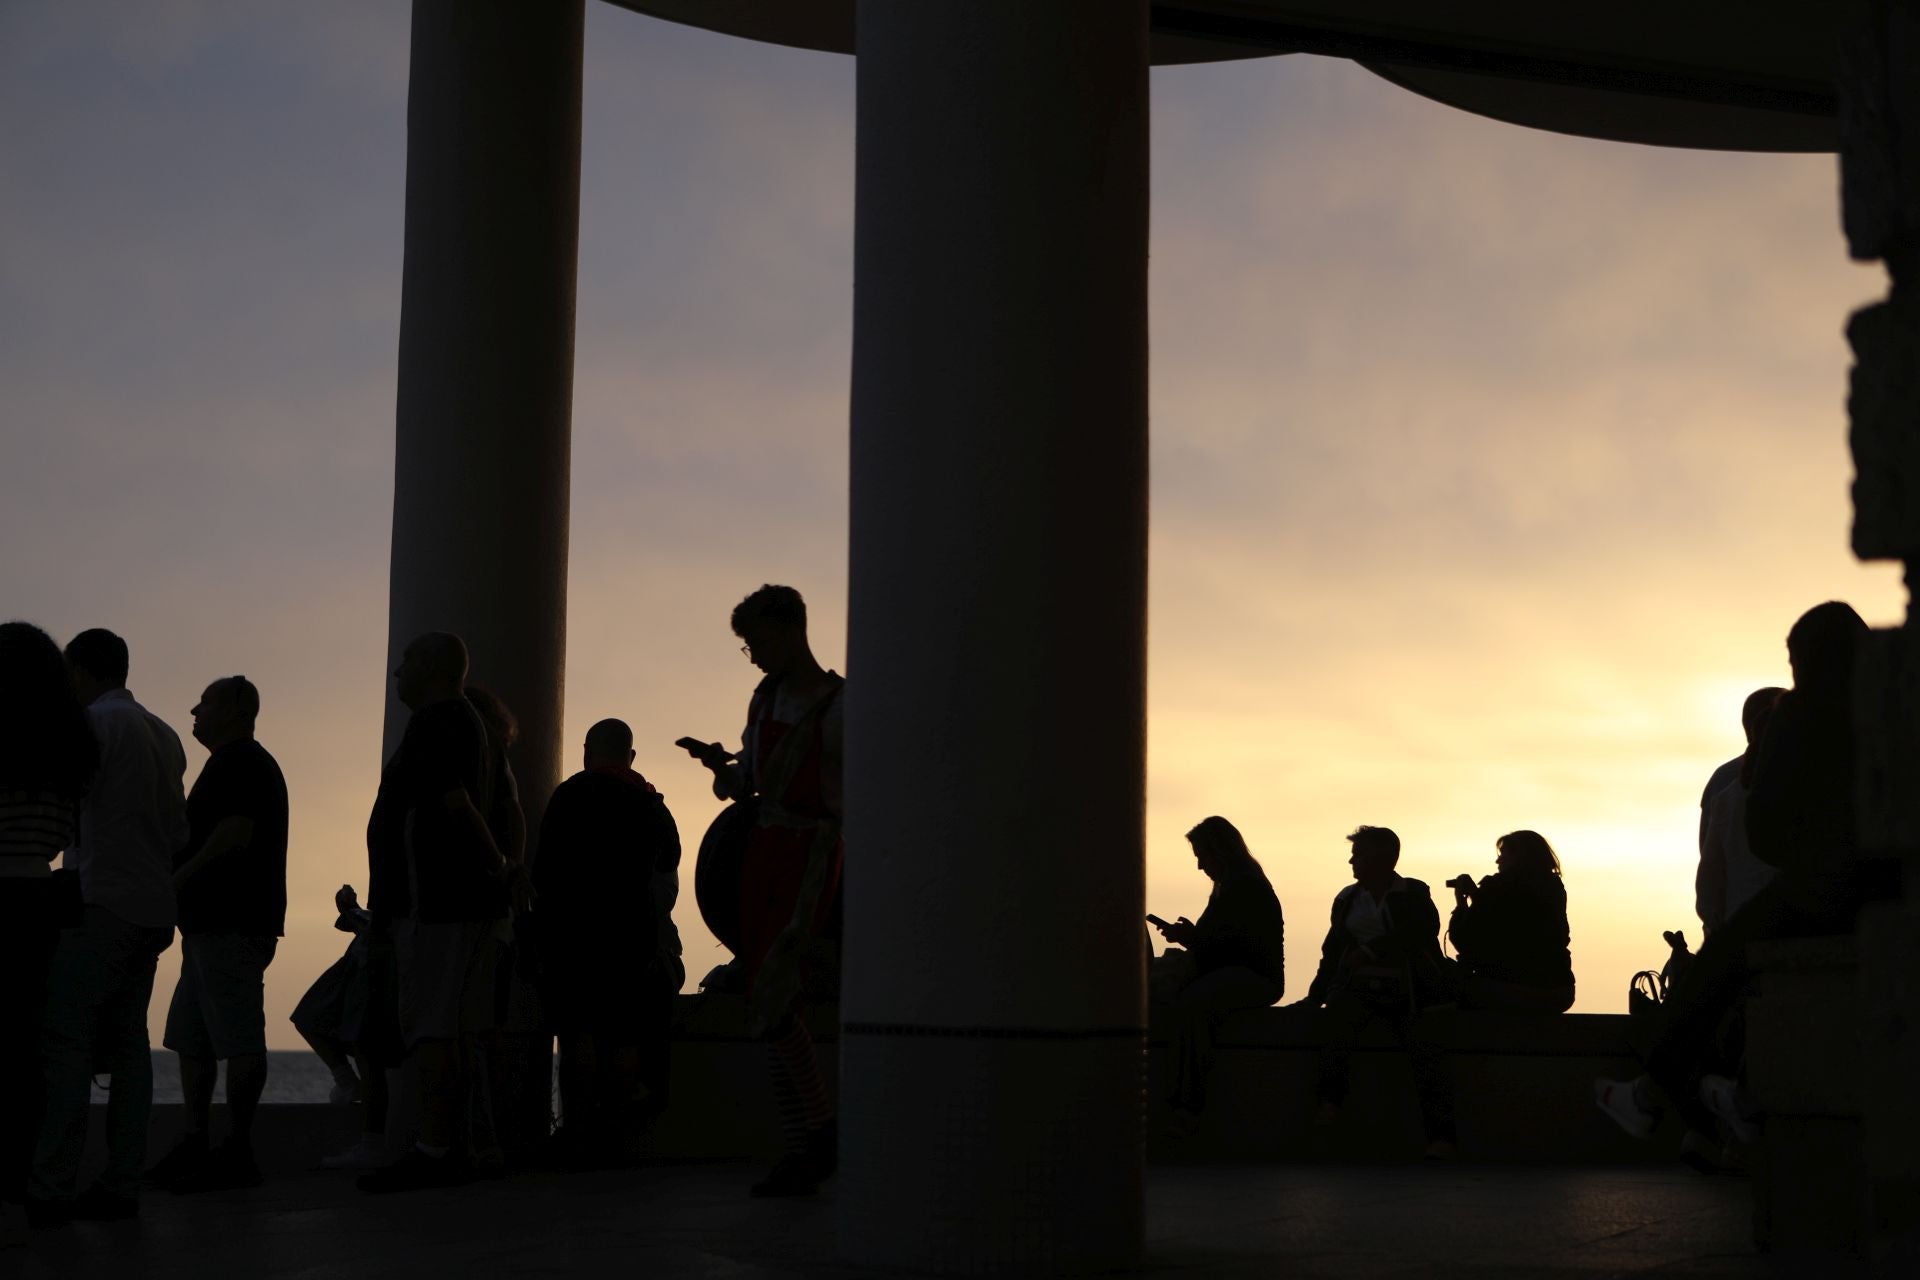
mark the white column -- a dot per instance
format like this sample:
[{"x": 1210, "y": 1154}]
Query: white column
[
  {"x": 484, "y": 411},
  {"x": 993, "y": 1007}
]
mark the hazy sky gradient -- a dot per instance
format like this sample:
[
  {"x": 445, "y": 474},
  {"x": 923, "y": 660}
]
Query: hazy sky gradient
[{"x": 1490, "y": 467}]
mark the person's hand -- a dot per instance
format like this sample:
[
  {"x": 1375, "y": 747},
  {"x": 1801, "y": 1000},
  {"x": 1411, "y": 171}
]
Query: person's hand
[
  {"x": 710, "y": 754},
  {"x": 345, "y": 899},
  {"x": 519, "y": 886},
  {"x": 1181, "y": 931}
]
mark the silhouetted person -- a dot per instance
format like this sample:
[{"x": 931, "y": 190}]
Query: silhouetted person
[
  {"x": 1236, "y": 955},
  {"x": 790, "y": 761},
  {"x": 1729, "y": 874},
  {"x": 232, "y": 887},
  {"x": 604, "y": 839},
  {"x": 132, "y": 823},
  {"x": 1800, "y": 822},
  {"x": 329, "y": 1014},
  {"x": 47, "y": 762},
  {"x": 493, "y": 1088},
  {"x": 1511, "y": 933},
  {"x": 1382, "y": 960},
  {"x": 434, "y": 844}
]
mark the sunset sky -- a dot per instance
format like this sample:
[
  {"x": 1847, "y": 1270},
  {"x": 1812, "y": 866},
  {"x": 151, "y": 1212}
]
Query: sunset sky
[{"x": 1490, "y": 467}]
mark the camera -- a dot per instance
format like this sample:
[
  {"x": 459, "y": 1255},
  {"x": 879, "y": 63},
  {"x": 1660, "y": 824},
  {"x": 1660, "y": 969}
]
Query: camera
[{"x": 1463, "y": 884}]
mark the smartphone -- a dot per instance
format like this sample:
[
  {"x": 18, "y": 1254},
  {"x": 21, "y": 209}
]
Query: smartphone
[{"x": 1156, "y": 920}]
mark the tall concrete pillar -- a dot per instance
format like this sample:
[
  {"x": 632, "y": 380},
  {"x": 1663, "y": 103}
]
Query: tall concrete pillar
[
  {"x": 992, "y": 1050},
  {"x": 484, "y": 411}
]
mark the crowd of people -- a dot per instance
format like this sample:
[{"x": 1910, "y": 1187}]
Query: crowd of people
[
  {"x": 1778, "y": 859},
  {"x": 466, "y": 914}
]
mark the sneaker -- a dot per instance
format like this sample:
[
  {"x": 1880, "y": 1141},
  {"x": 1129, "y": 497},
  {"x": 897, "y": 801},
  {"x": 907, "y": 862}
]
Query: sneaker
[
  {"x": 797, "y": 1174},
  {"x": 186, "y": 1160},
  {"x": 416, "y": 1171},
  {"x": 1729, "y": 1102},
  {"x": 1615, "y": 1097},
  {"x": 345, "y": 1091},
  {"x": 228, "y": 1167},
  {"x": 370, "y": 1152},
  {"x": 97, "y": 1204}
]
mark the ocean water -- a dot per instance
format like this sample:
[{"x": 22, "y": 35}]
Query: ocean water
[{"x": 292, "y": 1076}]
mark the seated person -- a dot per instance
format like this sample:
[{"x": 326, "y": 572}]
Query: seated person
[
  {"x": 1729, "y": 874},
  {"x": 608, "y": 984},
  {"x": 1381, "y": 959},
  {"x": 1233, "y": 957},
  {"x": 328, "y": 1016},
  {"x": 1511, "y": 932},
  {"x": 1799, "y": 818}
]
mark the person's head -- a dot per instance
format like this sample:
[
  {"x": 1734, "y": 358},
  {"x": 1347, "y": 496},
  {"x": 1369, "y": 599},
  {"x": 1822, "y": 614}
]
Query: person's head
[
  {"x": 226, "y": 712},
  {"x": 45, "y": 741},
  {"x": 1757, "y": 710},
  {"x": 433, "y": 668},
  {"x": 1376, "y": 851},
  {"x": 503, "y": 729},
  {"x": 97, "y": 663},
  {"x": 1524, "y": 852},
  {"x": 609, "y": 745},
  {"x": 1757, "y": 732},
  {"x": 773, "y": 623},
  {"x": 1820, "y": 648},
  {"x": 1220, "y": 850}
]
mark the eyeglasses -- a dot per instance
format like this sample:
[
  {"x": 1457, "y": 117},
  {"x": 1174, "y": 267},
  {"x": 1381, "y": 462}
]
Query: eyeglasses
[{"x": 746, "y": 651}]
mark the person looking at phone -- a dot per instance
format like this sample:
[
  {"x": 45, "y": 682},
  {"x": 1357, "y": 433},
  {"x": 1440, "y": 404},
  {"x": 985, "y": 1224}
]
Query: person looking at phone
[
  {"x": 1511, "y": 932},
  {"x": 1232, "y": 957},
  {"x": 789, "y": 764}
]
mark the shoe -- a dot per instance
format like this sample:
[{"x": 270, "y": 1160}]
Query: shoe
[
  {"x": 188, "y": 1157},
  {"x": 370, "y": 1152},
  {"x": 795, "y": 1175},
  {"x": 490, "y": 1163},
  {"x": 344, "y": 1092},
  {"x": 416, "y": 1171},
  {"x": 228, "y": 1167},
  {"x": 1325, "y": 1115},
  {"x": 1729, "y": 1102},
  {"x": 45, "y": 1215},
  {"x": 97, "y": 1204},
  {"x": 1615, "y": 1097},
  {"x": 1440, "y": 1149}
]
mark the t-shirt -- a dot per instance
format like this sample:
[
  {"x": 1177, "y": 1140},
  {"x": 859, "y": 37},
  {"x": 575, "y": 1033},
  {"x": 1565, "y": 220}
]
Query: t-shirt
[
  {"x": 244, "y": 890},
  {"x": 421, "y": 860}
]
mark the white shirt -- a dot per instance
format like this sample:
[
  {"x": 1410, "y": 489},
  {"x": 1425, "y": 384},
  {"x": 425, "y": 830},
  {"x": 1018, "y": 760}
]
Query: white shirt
[
  {"x": 1726, "y": 853},
  {"x": 1367, "y": 917},
  {"x": 134, "y": 819}
]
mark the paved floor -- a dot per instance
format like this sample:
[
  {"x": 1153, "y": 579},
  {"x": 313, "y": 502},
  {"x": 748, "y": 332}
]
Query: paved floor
[{"x": 1348, "y": 1222}]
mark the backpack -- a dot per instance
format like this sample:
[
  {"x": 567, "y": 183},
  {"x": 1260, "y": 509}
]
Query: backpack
[{"x": 1649, "y": 989}]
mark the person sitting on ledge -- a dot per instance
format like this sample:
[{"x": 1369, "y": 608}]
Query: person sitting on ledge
[
  {"x": 1511, "y": 933},
  {"x": 1799, "y": 820},
  {"x": 1381, "y": 959},
  {"x": 1233, "y": 959}
]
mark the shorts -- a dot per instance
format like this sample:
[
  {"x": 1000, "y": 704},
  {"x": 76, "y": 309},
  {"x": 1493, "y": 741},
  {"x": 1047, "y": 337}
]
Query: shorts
[
  {"x": 446, "y": 977},
  {"x": 218, "y": 1008}
]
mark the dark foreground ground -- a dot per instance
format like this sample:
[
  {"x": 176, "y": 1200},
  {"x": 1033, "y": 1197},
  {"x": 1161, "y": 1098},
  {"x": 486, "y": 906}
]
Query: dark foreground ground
[{"x": 1349, "y": 1222}]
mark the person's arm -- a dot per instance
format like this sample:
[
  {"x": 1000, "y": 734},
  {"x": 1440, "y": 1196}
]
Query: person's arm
[
  {"x": 1330, "y": 951},
  {"x": 1710, "y": 881},
  {"x": 461, "y": 809},
  {"x": 833, "y": 751},
  {"x": 233, "y": 833}
]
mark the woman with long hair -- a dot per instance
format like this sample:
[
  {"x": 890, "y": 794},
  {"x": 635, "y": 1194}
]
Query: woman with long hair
[
  {"x": 1233, "y": 958},
  {"x": 47, "y": 760},
  {"x": 1511, "y": 931}
]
